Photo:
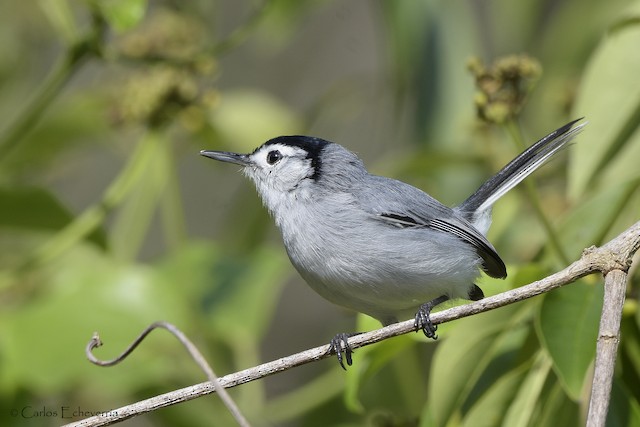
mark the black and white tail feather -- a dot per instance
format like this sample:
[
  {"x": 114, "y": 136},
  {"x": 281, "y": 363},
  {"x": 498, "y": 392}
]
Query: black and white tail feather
[{"x": 477, "y": 208}]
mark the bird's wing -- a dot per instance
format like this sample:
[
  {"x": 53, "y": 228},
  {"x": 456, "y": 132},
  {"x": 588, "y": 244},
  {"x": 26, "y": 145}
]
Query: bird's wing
[{"x": 405, "y": 206}]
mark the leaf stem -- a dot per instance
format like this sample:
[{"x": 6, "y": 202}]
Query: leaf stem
[
  {"x": 62, "y": 71},
  {"x": 93, "y": 216},
  {"x": 135, "y": 214},
  {"x": 171, "y": 204}
]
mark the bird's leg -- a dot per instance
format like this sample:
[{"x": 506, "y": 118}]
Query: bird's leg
[
  {"x": 339, "y": 344},
  {"x": 423, "y": 319}
]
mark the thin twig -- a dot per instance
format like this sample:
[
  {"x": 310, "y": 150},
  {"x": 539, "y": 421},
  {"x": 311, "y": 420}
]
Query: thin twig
[
  {"x": 193, "y": 351},
  {"x": 615, "y": 255}
]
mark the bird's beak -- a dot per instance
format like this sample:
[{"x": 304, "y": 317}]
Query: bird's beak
[{"x": 223, "y": 156}]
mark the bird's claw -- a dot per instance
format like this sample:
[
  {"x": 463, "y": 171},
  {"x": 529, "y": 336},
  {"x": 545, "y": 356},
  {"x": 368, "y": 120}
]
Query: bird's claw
[
  {"x": 423, "y": 321},
  {"x": 339, "y": 345},
  {"x": 423, "y": 317}
]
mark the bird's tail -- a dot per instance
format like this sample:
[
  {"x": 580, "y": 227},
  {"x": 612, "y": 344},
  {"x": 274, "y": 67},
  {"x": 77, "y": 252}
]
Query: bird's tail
[{"x": 477, "y": 207}]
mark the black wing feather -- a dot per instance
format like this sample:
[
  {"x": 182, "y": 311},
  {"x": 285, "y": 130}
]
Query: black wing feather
[{"x": 492, "y": 263}]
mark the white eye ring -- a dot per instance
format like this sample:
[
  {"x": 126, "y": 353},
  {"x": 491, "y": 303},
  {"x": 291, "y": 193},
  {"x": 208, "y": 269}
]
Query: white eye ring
[{"x": 273, "y": 157}]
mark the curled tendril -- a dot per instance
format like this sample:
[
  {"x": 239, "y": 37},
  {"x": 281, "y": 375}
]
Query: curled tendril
[{"x": 96, "y": 342}]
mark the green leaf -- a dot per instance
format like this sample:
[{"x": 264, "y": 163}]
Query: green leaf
[
  {"x": 362, "y": 370},
  {"x": 610, "y": 100},
  {"x": 624, "y": 409},
  {"x": 491, "y": 407},
  {"x": 122, "y": 15},
  {"x": 557, "y": 409},
  {"x": 294, "y": 404},
  {"x": 464, "y": 356},
  {"x": 31, "y": 208},
  {"x": 528, "y": 395},
  {"x": 395, "y": 364},
  {"x": 567, "y": 325}
]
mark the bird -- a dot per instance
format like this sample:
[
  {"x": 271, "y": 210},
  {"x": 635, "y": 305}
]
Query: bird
[{"x": 377, "y": 245}]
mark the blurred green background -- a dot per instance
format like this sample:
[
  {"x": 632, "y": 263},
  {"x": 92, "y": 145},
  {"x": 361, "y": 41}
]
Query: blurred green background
[{"x": 110, "y": 220}]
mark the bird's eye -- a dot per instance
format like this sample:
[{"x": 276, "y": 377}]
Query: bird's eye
[{"x": 273, "y": 157}]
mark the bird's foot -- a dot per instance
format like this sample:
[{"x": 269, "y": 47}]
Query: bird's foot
[
  {"x": 423, "y": 317},
  {"x": 339, "y": 345},
  {"x": 423, "y": 322}
]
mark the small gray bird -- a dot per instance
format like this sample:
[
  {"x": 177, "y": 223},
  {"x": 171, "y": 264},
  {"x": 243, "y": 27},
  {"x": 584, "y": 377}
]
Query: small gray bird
[{"x": 377, "y": 245}]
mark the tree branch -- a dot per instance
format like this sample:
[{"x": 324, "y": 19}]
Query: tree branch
[
  {"x": 615, "y": 285},
  {"x": 613, "y": 260}
]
